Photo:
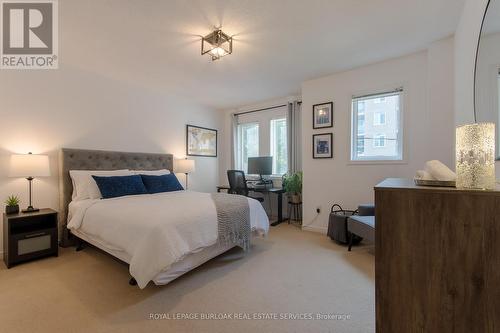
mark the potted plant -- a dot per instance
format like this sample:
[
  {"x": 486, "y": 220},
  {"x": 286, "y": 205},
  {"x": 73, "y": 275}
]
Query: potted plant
[
  {"x": 293, "y": 186},
  {"x": 12, "y": 205}
]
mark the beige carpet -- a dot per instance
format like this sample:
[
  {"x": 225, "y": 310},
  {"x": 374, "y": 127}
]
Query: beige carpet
[{"x": 292, "y": 272}]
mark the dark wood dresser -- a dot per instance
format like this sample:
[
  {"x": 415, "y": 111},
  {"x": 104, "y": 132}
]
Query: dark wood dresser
[{"x": 437, "y": 262}]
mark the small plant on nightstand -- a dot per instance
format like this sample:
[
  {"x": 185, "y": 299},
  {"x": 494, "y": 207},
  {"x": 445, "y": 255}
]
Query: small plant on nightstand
[{"x": 12, "y": 205}]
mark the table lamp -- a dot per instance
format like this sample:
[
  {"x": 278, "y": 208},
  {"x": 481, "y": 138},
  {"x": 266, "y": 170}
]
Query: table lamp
[
  {"x": 184, "y": 166},
  {"x": 475, "y": 156},
  {"x": 29, "y": 166}
]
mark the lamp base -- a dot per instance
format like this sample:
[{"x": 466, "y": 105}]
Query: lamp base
[{"x": 30, "y": 209}]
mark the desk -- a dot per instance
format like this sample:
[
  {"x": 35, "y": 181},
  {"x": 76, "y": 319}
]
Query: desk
[{"x": 278, "y": 191}]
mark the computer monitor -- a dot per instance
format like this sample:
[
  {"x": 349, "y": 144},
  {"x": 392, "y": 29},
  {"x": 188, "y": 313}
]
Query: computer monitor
[{"x": 262, "y": 166}]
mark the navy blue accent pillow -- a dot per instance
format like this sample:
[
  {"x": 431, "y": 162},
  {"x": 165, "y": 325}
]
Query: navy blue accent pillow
[
  {"x": 163, "y": 183},
  {"x": 119, "y": 186}
]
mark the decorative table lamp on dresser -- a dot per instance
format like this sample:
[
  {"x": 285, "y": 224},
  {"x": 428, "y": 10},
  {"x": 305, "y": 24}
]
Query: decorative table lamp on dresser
[
  {"x": 29, "y": 166},
  {"x": 475, "y": 156},
  {"x": 184, "y": 166}
]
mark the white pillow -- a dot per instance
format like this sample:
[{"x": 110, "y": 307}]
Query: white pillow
[
  {"x": 160, "y": 172},
  {"x": 85, "y": 187}
]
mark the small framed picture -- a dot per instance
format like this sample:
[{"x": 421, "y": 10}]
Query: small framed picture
[
  {"x": 201, "y": 141},
  {"x": 323, "y": 115},
  {"x": 323, "y": 145}
]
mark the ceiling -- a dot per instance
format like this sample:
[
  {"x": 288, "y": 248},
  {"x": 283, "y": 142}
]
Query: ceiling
[{"x": 277, "y": 43}]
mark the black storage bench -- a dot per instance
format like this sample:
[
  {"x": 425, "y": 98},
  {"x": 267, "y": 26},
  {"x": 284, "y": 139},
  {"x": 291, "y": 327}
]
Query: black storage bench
[{"x": 337, "y": 225}]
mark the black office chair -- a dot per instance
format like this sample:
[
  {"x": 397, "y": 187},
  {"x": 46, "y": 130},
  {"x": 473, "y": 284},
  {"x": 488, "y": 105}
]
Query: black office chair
[{"x": 238, "y": 184}]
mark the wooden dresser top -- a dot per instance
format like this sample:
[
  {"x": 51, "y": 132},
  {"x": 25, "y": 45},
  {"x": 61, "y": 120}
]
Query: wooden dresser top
[{"x": 409, "y": 184}]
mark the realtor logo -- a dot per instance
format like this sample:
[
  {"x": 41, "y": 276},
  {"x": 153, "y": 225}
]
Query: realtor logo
[{"x": 29, "y": 34}]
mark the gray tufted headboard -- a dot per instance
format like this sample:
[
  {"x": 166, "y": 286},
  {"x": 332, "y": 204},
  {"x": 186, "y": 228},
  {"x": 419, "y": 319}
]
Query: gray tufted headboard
[{"x": 79, "y": 159}]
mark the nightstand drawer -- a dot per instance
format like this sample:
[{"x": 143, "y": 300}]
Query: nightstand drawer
[
  {"x": 33, "y": 242},
  {"x": 26, "y": 246}
]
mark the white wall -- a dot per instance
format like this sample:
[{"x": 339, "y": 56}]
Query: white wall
[
  {"x": 428, "y": 115},
  {"x": 42, "y": 111}
]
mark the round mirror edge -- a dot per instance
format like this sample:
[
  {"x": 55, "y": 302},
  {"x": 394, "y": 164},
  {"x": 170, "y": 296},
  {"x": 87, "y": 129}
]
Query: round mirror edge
[
  {"x": 497, "y": 149},
  {"x": 477, "y": 57}
]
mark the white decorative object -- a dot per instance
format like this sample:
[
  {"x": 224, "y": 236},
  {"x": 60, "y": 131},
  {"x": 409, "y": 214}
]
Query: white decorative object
[
  {"x": 439, "y": 171},
  {"x": 475, "y": 149},
  {"x": 424, "y": 175}
]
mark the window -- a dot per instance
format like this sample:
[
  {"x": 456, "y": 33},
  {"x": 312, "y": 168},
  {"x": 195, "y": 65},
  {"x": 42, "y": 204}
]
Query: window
[
  {"x": 361, "y": 106},
  {"x": 379, "y": 141},
  {"x": 279, "y": 146},
  {"x": 248, "y": 144},
  {"x": 360, "y": 147},
  {"x": 361, "y": 122},
  {"x": 379, "y": 118},
  {"x": 263, "y": 133},
  {"x": 376, "y": 133}
]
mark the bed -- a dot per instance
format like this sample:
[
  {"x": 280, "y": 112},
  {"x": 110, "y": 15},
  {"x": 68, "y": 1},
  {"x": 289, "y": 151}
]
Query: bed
[{"x": 160, "y": 236}]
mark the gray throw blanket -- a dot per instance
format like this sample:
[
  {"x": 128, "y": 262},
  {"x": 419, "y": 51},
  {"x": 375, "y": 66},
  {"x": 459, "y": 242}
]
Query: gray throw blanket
[{"x": 233, "y": 219}]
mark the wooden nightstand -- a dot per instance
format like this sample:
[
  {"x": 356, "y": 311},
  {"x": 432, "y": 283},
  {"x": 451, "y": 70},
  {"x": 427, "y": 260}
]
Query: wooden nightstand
[{"x": 28, "y": 236}]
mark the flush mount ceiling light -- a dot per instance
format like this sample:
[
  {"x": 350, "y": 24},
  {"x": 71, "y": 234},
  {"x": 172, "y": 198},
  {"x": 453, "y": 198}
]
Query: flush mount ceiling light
[{"x": 217, "y": 44}]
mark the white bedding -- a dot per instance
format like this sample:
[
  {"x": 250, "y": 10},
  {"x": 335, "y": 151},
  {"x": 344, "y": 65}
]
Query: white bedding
[{"x": 155, "y": 230}]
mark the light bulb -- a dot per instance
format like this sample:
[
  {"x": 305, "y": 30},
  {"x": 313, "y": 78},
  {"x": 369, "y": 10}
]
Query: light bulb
[{"x": 218, "y": 52}]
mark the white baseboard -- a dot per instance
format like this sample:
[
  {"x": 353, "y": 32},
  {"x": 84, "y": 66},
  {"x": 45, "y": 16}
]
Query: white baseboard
[{"x": 315, "y": 228}]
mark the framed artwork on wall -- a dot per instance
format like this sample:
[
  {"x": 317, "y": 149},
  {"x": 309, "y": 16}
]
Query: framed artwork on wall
[
  {"x": 201, "y": 141},
  {"x": 323, "y": 145},
  {"x": 323, "y": 115}
]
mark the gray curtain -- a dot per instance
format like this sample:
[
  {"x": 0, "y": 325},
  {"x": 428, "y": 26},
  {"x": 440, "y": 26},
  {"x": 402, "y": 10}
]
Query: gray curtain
[
  {"x": 234, "y": 133},
  {"x": 294, "y": 127}
]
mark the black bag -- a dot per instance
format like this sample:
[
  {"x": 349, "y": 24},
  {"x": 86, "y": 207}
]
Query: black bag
[{"x": 337, "y": 225}]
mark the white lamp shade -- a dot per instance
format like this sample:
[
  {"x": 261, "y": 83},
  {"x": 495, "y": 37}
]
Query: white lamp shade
[
  {"x": 184, "y": 166},
  {"x": 29, "y": 165}
]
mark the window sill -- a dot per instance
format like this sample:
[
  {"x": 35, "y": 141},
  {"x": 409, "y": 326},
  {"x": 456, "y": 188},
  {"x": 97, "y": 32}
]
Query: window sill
[{"x": 377, "y": 162}]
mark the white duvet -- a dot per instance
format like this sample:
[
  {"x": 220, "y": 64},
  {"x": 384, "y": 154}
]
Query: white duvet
[{"x": 155, "y": 230}]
